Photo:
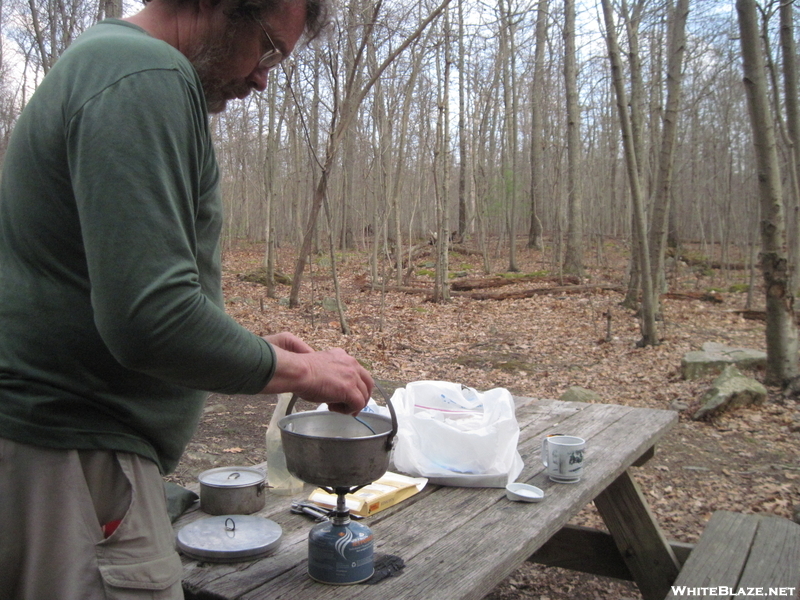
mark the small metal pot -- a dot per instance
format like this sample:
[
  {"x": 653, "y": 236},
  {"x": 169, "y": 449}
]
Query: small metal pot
[
  {"x": 333, "y": 450},
  {"x": 232, "y": 490}
]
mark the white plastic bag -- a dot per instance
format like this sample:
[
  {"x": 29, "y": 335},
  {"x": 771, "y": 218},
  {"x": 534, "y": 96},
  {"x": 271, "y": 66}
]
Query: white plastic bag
[{"x": 454, "y": 435}]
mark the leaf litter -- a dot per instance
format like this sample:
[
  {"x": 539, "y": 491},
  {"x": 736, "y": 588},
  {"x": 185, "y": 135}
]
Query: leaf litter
[{"x": 745, "y": 460}]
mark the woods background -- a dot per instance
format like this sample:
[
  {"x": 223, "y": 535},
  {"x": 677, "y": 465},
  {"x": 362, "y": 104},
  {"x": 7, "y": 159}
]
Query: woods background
[
  {"x": 560, "y": 123},
  {"x": 482, "y": 123}
]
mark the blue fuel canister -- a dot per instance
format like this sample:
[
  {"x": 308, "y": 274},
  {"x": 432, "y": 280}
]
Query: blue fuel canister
[{"x": 340, "y": 552}]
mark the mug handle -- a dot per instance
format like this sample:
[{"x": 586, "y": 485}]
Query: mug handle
[
  {"x": 544, "y": 446},
  {"x": 544, "y": 451}
]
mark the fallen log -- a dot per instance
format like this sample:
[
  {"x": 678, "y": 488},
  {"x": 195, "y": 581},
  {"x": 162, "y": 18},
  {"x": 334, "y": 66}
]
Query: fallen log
[
  {"x": 478, "y": 283},
  {"x": 760, "y": 315},
  {"x": 712, "y": 264},
  {"x": 465, "y": 251},
  {"x": 404, "y": 289},
  {"x": 560, "y": 289},
  {"x": 704, "y": 296},
  {"x": 515, "y": 295},
  {"x": 529, "y": 293}
]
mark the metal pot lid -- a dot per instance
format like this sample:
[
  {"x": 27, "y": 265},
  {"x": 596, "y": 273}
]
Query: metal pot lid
[
  {"x": 229, "y": 538},
  {"x": 232, "y": 477}
]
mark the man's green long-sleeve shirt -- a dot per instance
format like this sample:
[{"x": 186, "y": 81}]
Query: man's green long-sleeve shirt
[{"x": 111, "y": 311}]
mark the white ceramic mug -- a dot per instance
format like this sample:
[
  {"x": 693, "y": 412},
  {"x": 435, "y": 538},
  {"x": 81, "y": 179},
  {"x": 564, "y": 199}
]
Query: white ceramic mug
[{"x": 562, "y": 456}]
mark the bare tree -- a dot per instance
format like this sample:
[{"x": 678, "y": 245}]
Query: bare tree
[
  {"x": 663, "y": 189},
  {"x": 10, "y": 102},
  {"x": 401, "y": 144},
  {"x": 50, "y": 26},
  {"x": 573, "y": 257},
  {"x": 508, "y": 167},
  {"x": 463, "y": 158},
  {"x": 648, "y": 321},
  {"x": 632, "y": 20},
  {"x": 342, "y": 115},
  {"x": 537, "y": 127},
  {"x": 441, "y": 166},
  {"x": 781, "y": 328},
  {"x": 268, "y": 157},
  {"x": 790, "y": 82},
  {"x": 109, "y": 9}
]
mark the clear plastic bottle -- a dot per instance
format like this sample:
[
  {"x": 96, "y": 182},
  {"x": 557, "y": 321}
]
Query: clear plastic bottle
[{"x": 281, "y": 481}]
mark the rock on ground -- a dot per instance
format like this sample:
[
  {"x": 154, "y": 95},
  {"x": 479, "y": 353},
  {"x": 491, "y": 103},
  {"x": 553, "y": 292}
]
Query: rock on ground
[
  {"x": 730, "y": 389},
  {"x": 714, "y": 357}
]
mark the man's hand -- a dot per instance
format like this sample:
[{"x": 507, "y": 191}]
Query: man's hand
[
  {"x": 289, "y": 341},
  {"x": 330, "y": 376}
]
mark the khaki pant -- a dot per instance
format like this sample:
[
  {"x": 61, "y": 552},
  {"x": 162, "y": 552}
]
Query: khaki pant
[{"x": 53, "y": 504}]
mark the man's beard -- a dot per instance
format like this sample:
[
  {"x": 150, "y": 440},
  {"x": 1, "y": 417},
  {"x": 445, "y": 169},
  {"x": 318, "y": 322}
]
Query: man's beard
[{"x": 211, "y": 60}]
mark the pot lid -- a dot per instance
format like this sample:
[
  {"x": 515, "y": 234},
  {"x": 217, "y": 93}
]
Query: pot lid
[
  {"x": 229, "y": 538},
  {"x": 232, "y": 477}
]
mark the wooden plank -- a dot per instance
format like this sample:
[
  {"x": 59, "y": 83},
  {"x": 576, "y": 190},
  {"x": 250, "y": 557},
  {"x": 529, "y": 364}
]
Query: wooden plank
[
  {"x": 436, "y": 531},
  {"x": 718, "y": 558},
  {"x": 639, "y": 538},
  {"x": 592, "y": 551},
  {"x": 774, "y": 560},
  {"x": 682, "y": 550},
  {"x": 651, "y": 452},
  {"x": 457, "y": 542},
  {"x": 583, "y": 549},
  {"x": 232, "y": 581}
]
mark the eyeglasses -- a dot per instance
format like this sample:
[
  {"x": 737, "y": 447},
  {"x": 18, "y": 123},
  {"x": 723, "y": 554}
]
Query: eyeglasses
[{"x": 271, "y": 58}]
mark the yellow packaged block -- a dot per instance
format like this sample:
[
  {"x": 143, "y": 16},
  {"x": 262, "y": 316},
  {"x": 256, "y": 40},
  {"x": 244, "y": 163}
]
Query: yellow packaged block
[{"x": 389, "y": 490}]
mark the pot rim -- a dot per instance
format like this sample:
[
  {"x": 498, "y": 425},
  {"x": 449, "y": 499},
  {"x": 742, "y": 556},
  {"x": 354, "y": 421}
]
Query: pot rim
[
  {"x": 390, "y": 438},
  {"x": 229, "y": 483},
  {"x": 286, "y": 421}
]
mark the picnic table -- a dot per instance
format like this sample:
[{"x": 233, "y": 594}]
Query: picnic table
[{"x": 462, "y": 542}]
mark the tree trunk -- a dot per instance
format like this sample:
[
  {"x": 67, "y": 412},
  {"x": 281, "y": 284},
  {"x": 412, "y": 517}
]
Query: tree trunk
[
  {"x": 111, "y": 9},
  {"x": 573, "y": 259},
  {"x": 508, "y": 167},
  {"x": 274, "y": 127},
  {"x": 351, "y": 102},
  {"x": 649, "y": 333},
  {"x": 344, "y": 327},
  {"x": 781, "y": 328},
  {"x": 789, "y": 55},
  {"x": 441, "y": 167},
  {"x": 663, "y": 195},
  {"x": 382, "y": 134},
  {"x": 637, "y": 143},
  {"x": 537, "y": 127},
  {"x": 462, "y": 130},
  {"x": 394, "y": 197}
]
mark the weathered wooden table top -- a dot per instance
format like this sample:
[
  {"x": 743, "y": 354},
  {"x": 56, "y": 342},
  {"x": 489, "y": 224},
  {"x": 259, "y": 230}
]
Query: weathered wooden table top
[{"x": 456, "y": 542}]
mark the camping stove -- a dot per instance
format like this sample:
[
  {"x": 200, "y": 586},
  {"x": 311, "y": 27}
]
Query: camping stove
[
  {"x": 340, "y": 551},
  {"x": 339, "y": 454}
]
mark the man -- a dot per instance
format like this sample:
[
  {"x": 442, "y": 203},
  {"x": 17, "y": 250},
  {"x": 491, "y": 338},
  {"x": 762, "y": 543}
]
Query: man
[{"x": 112, "y": 328}]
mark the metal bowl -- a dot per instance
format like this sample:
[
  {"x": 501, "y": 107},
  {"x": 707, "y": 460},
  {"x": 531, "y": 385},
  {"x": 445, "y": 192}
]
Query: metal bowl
[{"x": 333, "y": 450}]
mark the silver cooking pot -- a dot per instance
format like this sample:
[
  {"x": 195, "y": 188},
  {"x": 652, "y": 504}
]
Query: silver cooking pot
[
  {"x": 332, "y": 450},
  {"x": 232, "y": 490}
]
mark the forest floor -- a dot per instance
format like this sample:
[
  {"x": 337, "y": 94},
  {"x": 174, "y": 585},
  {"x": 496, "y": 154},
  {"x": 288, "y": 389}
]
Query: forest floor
[{"x": 745, "y": 460}]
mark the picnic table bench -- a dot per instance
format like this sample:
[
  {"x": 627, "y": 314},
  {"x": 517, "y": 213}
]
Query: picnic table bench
[
  {"x": 460, "y": 543},
  {"x": 742, "y": 556}
]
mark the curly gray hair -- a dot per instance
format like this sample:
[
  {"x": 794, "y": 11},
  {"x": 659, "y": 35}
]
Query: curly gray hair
[{"x": 316, "y": 11}]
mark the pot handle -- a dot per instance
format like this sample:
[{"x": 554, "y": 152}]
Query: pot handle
[
  {"x": 389, "y": 440},
  {"x": 290, "y": 406}
]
